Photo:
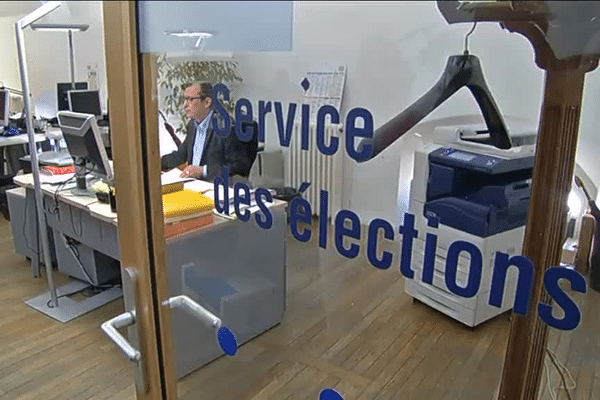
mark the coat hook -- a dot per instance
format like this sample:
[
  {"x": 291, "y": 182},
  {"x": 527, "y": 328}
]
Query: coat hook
[{"x": 467, "y": 38}]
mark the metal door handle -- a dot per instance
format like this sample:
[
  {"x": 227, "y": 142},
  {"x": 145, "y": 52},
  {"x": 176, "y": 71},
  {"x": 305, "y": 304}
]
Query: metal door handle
[
  {"x": 122, "y": 321},
  {"x": 224, "y": 336},
  {"x": 130, "y": 281},
  {"x": 202, "y": 313},
  {"x": 110, "y": 328}
]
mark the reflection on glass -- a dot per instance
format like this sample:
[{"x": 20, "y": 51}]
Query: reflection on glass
[{"x": 317, "y": 306}]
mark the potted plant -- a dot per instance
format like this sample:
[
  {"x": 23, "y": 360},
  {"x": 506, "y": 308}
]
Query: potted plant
[{"x": 173, "y": 76}]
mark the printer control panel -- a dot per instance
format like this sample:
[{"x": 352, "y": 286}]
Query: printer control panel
[{"x": 479, "y": 162}]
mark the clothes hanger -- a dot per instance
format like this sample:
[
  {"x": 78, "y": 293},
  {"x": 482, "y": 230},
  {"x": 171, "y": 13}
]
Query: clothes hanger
[{"x": 461, "y": 70}]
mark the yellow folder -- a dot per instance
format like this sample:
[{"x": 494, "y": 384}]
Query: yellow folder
[{"x": 186, "y": 202}]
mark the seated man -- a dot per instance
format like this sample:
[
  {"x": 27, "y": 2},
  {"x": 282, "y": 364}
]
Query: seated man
[{"x": 205, "y": 152}]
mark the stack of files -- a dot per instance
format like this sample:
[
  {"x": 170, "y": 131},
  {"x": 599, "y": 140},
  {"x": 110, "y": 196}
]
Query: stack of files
[
  {"x": 185, "y": 210},
  {"x": 53, "y": 170},
  {"x": 55, "y": 174}
]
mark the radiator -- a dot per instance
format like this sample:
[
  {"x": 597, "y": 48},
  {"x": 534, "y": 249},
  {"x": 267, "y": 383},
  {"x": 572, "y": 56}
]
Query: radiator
[{"x": 321, "y": 171}]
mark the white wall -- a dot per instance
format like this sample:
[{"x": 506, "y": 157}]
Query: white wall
[
  {"x": 9, "y": 68},
  {"x": 47, "y": 53},
  {"x": 395, "y": 52}
]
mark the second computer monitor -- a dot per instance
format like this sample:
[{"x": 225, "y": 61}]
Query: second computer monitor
[
  {"x": 82, "y": 135},
  {"x": 61, "y": 93},
  {"x": 4, "y": 107},
  {"x": 85, "y": 101}
]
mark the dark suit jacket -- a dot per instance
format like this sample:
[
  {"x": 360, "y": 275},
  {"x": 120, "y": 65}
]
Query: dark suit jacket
[{"x": 218, "y": 152}]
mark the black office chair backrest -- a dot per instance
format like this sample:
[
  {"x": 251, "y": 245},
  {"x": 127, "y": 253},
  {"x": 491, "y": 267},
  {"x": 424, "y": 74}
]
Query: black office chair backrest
[{"x": 253, "y": 147}]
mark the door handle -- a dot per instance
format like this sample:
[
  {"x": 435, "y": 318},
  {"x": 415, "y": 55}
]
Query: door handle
[
  {"x": 130, "y": 281},
  {"x": 110, "y": 328},
  {"x": 224, "y": 336}
]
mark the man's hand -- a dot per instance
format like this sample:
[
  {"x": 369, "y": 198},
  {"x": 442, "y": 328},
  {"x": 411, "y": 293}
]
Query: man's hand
[{"x": 191, "y": 171}]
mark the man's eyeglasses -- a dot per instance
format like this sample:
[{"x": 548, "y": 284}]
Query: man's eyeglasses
[{"x": 190, "y": 99}]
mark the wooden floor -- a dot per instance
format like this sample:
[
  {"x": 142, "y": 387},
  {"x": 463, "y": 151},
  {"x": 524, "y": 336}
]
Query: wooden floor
[
  {"x": 347, "y": 326},
  {"x": 44, "y": 359}
]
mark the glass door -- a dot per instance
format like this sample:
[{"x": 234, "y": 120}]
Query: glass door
[{"x": 332, "y": 266}]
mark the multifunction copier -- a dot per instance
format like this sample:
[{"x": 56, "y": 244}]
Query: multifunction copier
[{"x": 477, "y": 193}]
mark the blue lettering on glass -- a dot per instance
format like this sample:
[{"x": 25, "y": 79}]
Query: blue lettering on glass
[
  {"x": 301, "y": 212},
  {"x": 218, "y": 90},
  {"x": 335, "y": 119},
  {"x": 524, "y": 286},
  {"x": 243, "y": 198},
  {"x": 305, "y": 126},
  {"x": 222, "y": 206},
  {"x": 245, "y": 135},
  {"x": 341, "y": 231},
  {"x": 429, "y": 253},
  {"x": 285, "y": 134},
  {"x": 409, "y": 233},
  {"x": 474, "y": 278},
  {"x": 572, "y": 314},
  {"x": 353, "y": 131},
  {"x": 263, "y": 110},
  {"x": 323, "y": 218},
  {"x": 263, "y": 195},
  {"x": 388, "y": 232}
]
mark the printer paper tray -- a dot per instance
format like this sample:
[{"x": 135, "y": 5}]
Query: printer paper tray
[{"x": 476, "y": 219}]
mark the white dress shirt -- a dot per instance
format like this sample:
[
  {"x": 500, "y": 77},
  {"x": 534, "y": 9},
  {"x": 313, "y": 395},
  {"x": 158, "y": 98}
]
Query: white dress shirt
[{"x": 201, "y": 133}]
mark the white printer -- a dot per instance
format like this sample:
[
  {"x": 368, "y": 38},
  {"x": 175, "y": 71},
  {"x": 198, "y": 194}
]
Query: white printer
[{"x": 478, "y": 193}]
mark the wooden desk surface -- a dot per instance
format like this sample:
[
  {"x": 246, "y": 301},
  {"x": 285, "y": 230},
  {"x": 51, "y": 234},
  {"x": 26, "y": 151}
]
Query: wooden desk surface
[
  {"x": 97, "y": 209},
  {"x": 100, "y": 210}
]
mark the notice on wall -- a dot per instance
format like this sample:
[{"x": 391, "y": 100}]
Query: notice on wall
[{"x": 323, "y": 85}]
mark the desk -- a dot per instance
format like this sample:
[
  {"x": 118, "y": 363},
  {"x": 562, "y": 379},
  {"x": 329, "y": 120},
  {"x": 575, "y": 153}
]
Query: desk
[
  {"x": 6, "y": 141},
  {"x": 235, "y": 269}
]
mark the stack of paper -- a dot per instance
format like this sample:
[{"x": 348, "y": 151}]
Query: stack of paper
[{"x": 172, "y": 176}]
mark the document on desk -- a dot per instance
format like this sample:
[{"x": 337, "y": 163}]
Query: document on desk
[
  {"x": 172, "y": 176},
  {"x": 199, "y": 186}
]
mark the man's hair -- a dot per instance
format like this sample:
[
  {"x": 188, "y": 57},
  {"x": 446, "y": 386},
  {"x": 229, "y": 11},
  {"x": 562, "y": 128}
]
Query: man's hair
[{"x": 206, "y": 88}]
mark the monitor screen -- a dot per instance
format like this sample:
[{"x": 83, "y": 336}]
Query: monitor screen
[
  {"x": 4, "y": 107},
  {"x": 82, "y": 136},
  {"x": 85, "y": 102},
  {"x": 61, "y": 93}
]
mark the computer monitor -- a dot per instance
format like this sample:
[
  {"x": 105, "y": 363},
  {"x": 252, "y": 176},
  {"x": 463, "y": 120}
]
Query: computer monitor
[
  {"x": 4, "y": 107},
  {"x": 82, "y": 136},
  {"x": 85, "y": 102},
  {"x": 61, "y": 93}
]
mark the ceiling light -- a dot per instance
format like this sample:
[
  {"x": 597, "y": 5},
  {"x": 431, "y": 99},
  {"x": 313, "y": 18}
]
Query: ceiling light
[
  {"x": 60, "y": 27},
  {"x": 202, "y": 36}
]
